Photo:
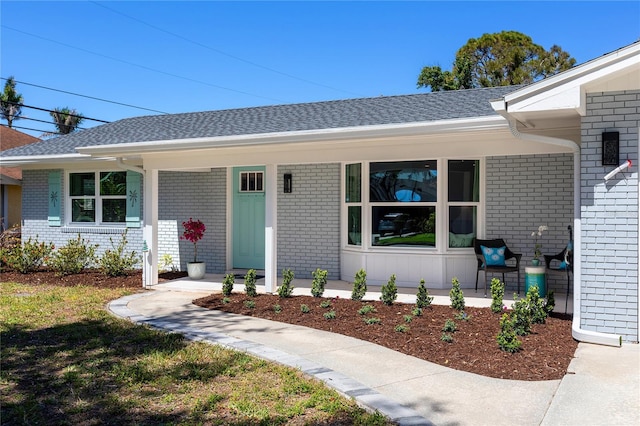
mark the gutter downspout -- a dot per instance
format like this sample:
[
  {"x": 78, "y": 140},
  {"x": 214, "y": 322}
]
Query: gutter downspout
[
  {"x": 123, "y": 166},
  {"x": 578, "y": 333}
]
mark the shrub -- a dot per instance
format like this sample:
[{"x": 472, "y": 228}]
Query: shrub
[
  {"x": 446, "y": 337},
  {"x": 329, "y": 315},
  {"x": 28, "y": 256},
  {"x": 416, "y": 312},
  {"x": 507, "y": 338},
  {"x": 521, "y": 317},
  {"x": 408, "y": 318},
  {"x": 227, "y": 284},
  {"x": 497, "y": 295},
  {"x": 536, "y": 305},
  {"x": 286, "y": 288},
  {"x": 250, "y": 304},
  {"x": 366, "y": 309},
  {"x": 226, "y": 300},
  {"x": 423, "y": 300},
  {"x": 250, "y": 283},
  {"x": 456, "y": 295},
  {"x": 551, "y": 302},
  {"x": 304, "y": 309},
  {"x": 359, "y": 285},
  {"x": 166, "y": 263},
  {"x": 462, "y": 315},
  {"x": 318, "y": 283},
  {"x": 449, "y": 326},
  {"x": 118, "y": 262},
  {"x": 401, "y": 328},
  {"x": 527, "y": 311},
  {"x": 277, "y": 308},
  {"x": 371, "y": 321},
  {"x": 325, "y": 304},
  {"x": 73, "y": 258},
  {"x": 389, "y": 291}
]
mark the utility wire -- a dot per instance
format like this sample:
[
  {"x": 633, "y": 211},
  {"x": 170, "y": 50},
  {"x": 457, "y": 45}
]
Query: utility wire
[
  {"x": 86, "y": 96},
  {"x": 237, "y": 58},
  {"x": 33, "y": 130},
  {"x": 42, "y": 121},
  {"x": 141, "y": 66},
  {"x": 50, "y": 110}
]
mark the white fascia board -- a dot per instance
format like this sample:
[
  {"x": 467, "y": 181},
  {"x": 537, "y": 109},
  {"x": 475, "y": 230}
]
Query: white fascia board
[
  {"x": 310, "y": 136},
  {"x": 564, "y": 91},
  {"x": 47, "y": 160}
]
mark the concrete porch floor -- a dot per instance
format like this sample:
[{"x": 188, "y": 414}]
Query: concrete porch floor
[{"x": 342, "y": 289}]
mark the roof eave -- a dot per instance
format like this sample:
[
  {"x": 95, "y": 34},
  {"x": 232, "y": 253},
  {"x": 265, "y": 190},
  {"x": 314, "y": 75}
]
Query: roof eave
[{"x": 307, "y": 136}]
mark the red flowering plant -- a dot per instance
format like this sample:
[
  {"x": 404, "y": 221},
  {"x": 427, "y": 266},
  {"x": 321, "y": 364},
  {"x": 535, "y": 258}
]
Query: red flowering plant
[{"x": 193, "y": 232}]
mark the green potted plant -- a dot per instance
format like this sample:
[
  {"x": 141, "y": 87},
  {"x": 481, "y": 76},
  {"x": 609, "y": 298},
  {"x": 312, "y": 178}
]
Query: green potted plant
[{"x": 193, "y": 232}]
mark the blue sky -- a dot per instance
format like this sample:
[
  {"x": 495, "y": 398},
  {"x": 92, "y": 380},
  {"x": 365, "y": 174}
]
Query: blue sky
[{"x": 206, "y": 55}]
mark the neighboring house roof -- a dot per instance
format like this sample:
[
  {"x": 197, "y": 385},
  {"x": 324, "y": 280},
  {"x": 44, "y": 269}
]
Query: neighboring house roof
[
  {"x": 10, "y": 139},
  {"x": 340, "y": 114}
]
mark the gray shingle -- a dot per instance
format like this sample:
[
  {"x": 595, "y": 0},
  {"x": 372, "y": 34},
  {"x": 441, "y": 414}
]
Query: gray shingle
[{"x": 424, "y": 107}]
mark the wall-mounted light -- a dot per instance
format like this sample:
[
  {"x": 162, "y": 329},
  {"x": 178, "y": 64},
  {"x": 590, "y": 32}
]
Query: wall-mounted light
[
  {"x": 287, "y": 183},
  {"x": 610, "y": 148}
]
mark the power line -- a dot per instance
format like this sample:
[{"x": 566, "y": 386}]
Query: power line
[
  {"x": 142, "y": 66},
  {"x": 42, "y": 121},
  {"x": 86, "y": 96},
  {"x": 50, "y": 110},
  {"x": 237, "y": 58},
  {"x": 33, "y": 130}
]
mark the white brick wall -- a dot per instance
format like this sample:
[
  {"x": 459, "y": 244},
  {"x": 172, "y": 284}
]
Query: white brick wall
[
  {"x": 309, "y": 220},
  {"x": 610, "y": 217},
  {"x": 524, "y": 192}
]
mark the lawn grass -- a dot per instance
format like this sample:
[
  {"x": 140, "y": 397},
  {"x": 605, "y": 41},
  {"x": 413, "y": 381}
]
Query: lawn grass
[{"x": 66, "y": 360}]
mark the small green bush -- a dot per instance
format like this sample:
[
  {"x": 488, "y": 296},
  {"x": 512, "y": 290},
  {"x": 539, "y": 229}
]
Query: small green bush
[
  {"x": 401, "y": 328},
  {"x": 551, "y": 302},
  {"x": 250, "y": 304},
  {"x": 277, "y": 308},
  {"x": 329, "y": 315},
  {"x": 359, "y": 285},
  {"x": 250, "y": 283},
  {"x": 463, "y": 316},
  {"x": 286, "y": 288},
  {"x": 449, "y": 326},
  {"x": 372, "y": 320},
  {"x": 456, "y": 295},
  {"x": 73, "y": 258},
  {"x": 325, "y": 304},
  {"x": 423, "y": 300},
  {"x": 497, "y": 295},
  {"x": 389, "y": 291},
  {"x": 117, "y": 262},
  {"x": 366, "y": 309},
  {"x": 408, "y": 318},
  {"x": 28, "y": 256},
  {"x": 446, "y": 337},
  {"x": 507, "y": 338},
  {"x": 416, "y": 312},
  {"x": 304, "y": 309},
  {"x": 166, "y": 263},
  {"x": 226, "y": 300},
  {"x": 227, "y": 284},
  {"x": 319, "y": 282}
]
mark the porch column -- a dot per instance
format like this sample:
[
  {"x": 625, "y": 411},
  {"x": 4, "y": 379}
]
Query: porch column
[
  {"x": 270, "y": 228},
  {"x": 150, "y": 231}
]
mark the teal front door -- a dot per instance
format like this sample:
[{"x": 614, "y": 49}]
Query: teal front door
[{"x": 248, "y": 217}]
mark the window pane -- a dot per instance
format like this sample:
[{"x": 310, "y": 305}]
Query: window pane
[
  {"x": 464, "y": 180},
  {"x": 403, "y": 226},
  {"x": 82, "y": 184},
  {"x": 114, "y": 210},
  {"x": 259, "y": 181},
  {"x": 353, "y": 183},
  {"x": 113, "y": 183},
  {"x": 252, "y": 181},
  {"x": 404, "y": 181},
  {"x": 244, "y": 182},
  {"x": 83, "y": 210},
  {"x": 462, "y": 225},
  {"x": 355, "y": 225}
]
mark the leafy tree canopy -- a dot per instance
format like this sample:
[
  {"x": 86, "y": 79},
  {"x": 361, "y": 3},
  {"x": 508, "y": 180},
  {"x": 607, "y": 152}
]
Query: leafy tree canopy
[
  {"x": 10, "y": 102},
  {"x": 499, "y": 59}
]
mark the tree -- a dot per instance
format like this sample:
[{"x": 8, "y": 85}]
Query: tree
[
  {"x": 66, "y": 120},
  {"x": 499, "y": 59},
  {"x": 10, "y": 102}
]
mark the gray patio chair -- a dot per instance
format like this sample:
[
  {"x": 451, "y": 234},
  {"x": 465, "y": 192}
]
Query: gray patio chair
[{"x": 508, "y": 265}]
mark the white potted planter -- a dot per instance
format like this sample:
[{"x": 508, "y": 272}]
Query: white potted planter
[{"x": 196, "y": 270}]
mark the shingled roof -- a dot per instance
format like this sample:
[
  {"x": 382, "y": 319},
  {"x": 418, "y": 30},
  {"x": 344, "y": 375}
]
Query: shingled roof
[{"x": 349, "y": 113}]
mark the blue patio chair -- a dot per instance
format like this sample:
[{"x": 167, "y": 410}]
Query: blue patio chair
[{"x": 493, "y": 256}]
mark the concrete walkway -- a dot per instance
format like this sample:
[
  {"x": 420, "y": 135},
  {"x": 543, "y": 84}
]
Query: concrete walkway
[{"x": 602, "y": 386}]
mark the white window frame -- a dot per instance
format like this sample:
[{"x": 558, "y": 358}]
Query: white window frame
[
  {"x": 249, "y": 174},
  {"x": 96, "y": 197}
]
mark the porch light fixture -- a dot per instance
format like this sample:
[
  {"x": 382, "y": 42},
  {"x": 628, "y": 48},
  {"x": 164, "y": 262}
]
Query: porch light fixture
[
  {"x": 287, "y": 183},
  {"x": 610, "y": 148}
]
